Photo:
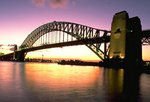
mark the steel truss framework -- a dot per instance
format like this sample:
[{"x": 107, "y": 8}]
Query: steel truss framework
[
  {"x": 146, "y": 37},
  {"x": 77, "y": 31}
]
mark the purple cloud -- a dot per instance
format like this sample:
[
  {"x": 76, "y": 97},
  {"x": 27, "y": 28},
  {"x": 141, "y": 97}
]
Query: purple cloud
[
  {"x": 38, "y": 2},
  {"x": 58, "y": 3},
  {"x": 54, "y": 3}
]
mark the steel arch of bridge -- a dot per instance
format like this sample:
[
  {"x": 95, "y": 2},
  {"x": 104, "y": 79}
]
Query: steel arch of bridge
[{"x": 78, "y": 31}]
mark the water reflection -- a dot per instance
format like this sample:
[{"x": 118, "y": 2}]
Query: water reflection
[
  {"x": 113, "y": 82},
  {"x": 145, "y": 87},
  {"x": 59, "y": 78},
  {"x": 131, "y": 84},
  {"x": 62, "y": 84},
  {"x": 32, "y": 82},
  {"x": 11, "y": 83}
]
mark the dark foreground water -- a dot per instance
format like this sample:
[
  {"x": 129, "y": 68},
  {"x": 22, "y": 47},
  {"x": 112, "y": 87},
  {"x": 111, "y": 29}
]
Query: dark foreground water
[{"x": 38, "y": 82}]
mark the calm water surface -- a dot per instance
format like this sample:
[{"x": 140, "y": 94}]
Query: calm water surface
[{"x": 38, "y": 82}]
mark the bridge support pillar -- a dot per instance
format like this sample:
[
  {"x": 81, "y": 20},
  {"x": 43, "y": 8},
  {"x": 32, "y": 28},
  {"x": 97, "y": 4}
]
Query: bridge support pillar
[
  {"x": 118, "y": 35},
  {"x": 20, "y": 56},
  {"x": 125, "y": 43},
  {"x": 133, "y": 43},
  {"x": 133, "y": 60}
]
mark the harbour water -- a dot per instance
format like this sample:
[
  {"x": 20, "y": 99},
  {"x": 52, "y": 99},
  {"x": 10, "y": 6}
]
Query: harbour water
[{"x": 44, "y": 82}]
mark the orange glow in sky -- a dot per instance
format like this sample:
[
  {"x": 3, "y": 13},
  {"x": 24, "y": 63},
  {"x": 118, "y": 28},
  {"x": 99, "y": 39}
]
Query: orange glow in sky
[
  {"x": 146, "y": 52},
  {"x": 74, "y": 52}
]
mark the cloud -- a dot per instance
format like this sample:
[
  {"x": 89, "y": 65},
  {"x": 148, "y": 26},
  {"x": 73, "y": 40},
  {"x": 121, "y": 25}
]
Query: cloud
[
  {"x": 55, "y": 4},
  {"x": 59, "y": 3},
  {"x": 39, "y": 2}
]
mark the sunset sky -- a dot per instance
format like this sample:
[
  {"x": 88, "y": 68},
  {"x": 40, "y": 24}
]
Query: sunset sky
[{"x": 18, "y": 18}]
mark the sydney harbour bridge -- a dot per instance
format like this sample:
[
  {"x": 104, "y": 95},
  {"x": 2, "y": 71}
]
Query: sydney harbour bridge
[{"x": 60, "y": 34}]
